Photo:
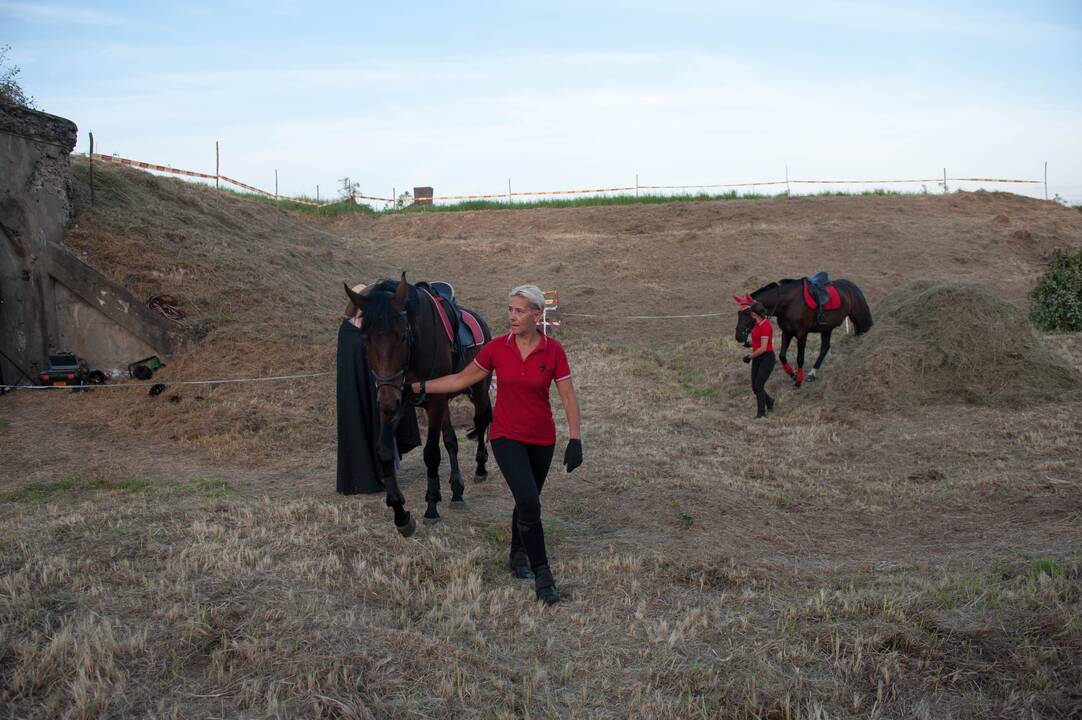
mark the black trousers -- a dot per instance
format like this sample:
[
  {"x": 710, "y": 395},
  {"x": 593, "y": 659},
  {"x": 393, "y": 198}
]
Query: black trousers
[
  {"x": 761, "y": 367},
  {"x": 525, "y": 467}
]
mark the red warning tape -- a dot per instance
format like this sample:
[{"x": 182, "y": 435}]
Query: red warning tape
[{"x": 540, "y": 193}]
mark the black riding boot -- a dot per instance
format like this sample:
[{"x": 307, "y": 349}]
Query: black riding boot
[
  {"x": 545, "y": 586},
  {"x": 520, "y": 566}
]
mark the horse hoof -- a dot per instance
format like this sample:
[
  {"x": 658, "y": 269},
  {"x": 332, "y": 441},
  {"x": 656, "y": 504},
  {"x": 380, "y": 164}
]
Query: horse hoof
[
  {"x": 458, "y": 503},
  {"x": 479, "y": 478},
  {"x": 431, "y": 520},
  {"x": 408, "y": 529}
]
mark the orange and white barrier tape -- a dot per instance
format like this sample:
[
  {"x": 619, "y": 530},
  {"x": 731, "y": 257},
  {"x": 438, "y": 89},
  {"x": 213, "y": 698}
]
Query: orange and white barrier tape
[
  {"x": 538, "y": 193},
  {"x": 116, "y": 159},
  {"x": 690, "y": 187},
  {"x": 149, "y": 166},
  {"x": 926, "y": 180},
  {"x": 544, "y": 193}
]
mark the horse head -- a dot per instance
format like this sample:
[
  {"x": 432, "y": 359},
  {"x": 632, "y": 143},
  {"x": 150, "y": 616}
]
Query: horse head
[
  {"x": 744, "y": 321},
  {"x": 388, "y": 341}
]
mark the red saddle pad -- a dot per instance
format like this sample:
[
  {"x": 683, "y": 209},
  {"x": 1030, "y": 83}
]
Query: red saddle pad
[{"x": 833, "y": 303}]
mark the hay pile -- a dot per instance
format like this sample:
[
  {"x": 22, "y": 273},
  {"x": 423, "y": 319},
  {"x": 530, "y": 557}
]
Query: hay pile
[{"x": 938, "y": 343}]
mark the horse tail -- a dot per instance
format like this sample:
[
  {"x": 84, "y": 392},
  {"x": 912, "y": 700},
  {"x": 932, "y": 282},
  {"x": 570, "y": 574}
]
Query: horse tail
[{"x": 859, "y": 312}]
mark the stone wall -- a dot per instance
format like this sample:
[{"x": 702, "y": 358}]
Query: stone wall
[{"x": 36, "y": 317}]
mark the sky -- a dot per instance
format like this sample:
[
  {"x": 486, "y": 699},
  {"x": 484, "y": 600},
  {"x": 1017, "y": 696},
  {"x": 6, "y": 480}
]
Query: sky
[{"x": 466, "y": 97}]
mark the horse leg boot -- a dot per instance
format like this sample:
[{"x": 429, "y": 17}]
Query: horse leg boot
[
  {"x": 450, "y": 442},
  {"x": 432, "y": 462},
  {"x": 786, "y": 338},
  {"x": 482, "y": 418},
  {"x": 824, "y": 348},
  {"x": 481, "y": 474},
  {"x": 405, "y": 523}
]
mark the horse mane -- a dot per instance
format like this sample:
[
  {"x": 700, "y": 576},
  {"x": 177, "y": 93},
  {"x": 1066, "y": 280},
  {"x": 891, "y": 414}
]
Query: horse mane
[
  {"x": 764, "y": 288},
  {"x": 778, "y": 284},
  {"x": 379, "y": 313}
]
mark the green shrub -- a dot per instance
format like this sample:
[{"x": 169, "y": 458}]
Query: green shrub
[{"x": 1057, "y": 299}]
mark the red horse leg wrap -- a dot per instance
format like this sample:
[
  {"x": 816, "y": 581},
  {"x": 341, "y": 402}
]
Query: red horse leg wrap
[
  {"x": 788, "y": 369},
  {"x": 800, "y": 376}
]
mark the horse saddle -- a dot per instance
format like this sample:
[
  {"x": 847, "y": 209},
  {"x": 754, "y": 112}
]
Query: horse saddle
[
  {"x": 818, "y": 291},
  {"x": 462, "y": 327}
]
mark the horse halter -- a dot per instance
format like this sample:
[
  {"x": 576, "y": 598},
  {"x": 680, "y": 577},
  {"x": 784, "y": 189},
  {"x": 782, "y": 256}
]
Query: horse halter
[{"x": 397, "y": 379}]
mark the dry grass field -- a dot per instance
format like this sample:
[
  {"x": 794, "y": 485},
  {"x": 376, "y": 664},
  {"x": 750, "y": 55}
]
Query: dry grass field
[{"x": 186, "y": 556}]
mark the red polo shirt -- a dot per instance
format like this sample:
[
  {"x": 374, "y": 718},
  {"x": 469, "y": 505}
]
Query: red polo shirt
[
  {"x": 763, "y": 329},
  {"x": 522, "y": 409}
]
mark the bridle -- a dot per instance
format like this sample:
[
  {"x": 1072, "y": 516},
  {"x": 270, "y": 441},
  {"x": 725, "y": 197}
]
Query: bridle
[
  {"x": 773, "y": 312},
  {"x": 398, "y": 379}
]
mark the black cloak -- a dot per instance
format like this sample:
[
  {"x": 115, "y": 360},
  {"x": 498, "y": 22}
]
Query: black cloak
[{"x": 359, "y": 468}]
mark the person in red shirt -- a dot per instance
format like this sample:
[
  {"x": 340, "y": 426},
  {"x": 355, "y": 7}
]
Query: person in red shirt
[
  {"x": 761, "y": 358},
  {"x": 523, "y": 434}
]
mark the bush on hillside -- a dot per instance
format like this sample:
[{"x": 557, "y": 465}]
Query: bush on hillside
[
  {"x": 10, "y": 90},
  {"x": 1057, "y": 299}
]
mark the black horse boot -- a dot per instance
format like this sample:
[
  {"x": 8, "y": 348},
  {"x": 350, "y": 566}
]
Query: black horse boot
[
  {"x": 520, "y": 566},
  {"x": 545, "y": 586}
]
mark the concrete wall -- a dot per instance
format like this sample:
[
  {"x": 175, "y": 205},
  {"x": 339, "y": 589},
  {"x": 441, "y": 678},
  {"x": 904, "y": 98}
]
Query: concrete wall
[
  {"x": 34, "y": 209},
  {"x": 105, "y": 345},
  {"x": 49, "y": 299}
]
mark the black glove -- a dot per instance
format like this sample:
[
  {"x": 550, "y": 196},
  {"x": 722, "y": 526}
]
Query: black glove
[
  {"x": 573, "y": 454},
  {"x": 747, "y": 358}
]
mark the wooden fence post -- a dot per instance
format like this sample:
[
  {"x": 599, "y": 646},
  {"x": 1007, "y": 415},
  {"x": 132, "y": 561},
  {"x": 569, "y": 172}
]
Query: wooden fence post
[{"x": 92, "y": 171}]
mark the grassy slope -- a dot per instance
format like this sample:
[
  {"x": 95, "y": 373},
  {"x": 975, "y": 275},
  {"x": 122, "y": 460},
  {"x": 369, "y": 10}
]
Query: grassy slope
[{"x": 191, "y": 558}]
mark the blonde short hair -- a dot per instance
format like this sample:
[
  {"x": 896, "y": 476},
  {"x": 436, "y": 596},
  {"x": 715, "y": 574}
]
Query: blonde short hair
[{"x": 531, "y": 293}]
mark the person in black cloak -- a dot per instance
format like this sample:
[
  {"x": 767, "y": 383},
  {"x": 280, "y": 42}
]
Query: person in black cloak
[{"x": 359, "y": 468}]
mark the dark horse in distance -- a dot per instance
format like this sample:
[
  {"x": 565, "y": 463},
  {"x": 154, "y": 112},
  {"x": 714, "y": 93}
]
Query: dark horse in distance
[
  {"x": 406, "y": 341},
  {"x": 792, "y": 303}
]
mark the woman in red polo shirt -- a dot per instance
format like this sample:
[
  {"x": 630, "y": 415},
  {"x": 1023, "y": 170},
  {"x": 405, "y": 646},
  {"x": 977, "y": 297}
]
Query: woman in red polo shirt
[
  {"x": 526, "y": 363},
  {"x": 761, "y": 358}
]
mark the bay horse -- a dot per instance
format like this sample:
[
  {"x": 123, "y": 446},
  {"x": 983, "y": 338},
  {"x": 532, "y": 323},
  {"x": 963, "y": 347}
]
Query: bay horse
[
  {"x": 405, "y": 342},
  {"x": 785, "y": 301}
]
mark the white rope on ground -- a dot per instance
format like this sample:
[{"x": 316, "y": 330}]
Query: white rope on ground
[{"x": 145, "y": 385}]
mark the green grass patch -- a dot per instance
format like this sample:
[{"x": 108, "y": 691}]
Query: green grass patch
[
  {"x": 597, "y": 200},
  {"x": 1034, "y": 580},
  {"x": 1044, "y": 566},
  {"x": 213, "y": 488},
  {"x": 693, "y": 382},
  {"x": 34, "y": 493},
  {"x": 956, "y": 592},
  {"x": 342, "y": 207},
  {"x": 497, "y": 534},
  {"x": 345, "y": 207}
]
